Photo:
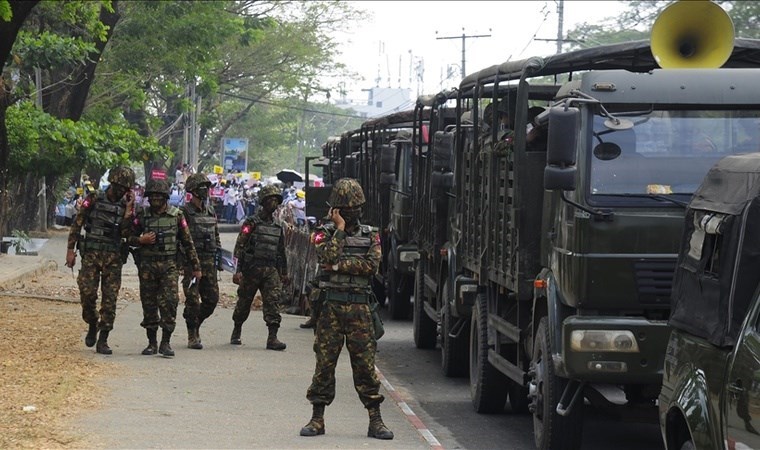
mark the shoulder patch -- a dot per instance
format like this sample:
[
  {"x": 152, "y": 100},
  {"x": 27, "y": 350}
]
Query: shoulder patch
[
  {"x": 317, "y": 237},
  {"x": 247, "y": 228},
  {"x": 182, "y": 222}
]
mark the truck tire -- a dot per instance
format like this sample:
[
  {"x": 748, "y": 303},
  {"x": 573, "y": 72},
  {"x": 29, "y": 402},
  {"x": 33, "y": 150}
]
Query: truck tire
[
  {"x": 425, "y": 328},
  {"x": 399, "y": 294},
  {"x": 518, "y": 398},
  {"x": 488, "y": 386},
  {"x": 454, "y": 351},
  {"x": 550, "y": 430}
]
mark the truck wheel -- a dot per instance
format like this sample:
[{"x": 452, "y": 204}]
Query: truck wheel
[
  {"x": 424, "y": 327},
  {"x": 399, "y": 294},
  {"x": 551, "y": 431},
  {"x": 488, "y": 386},
  {"x": 454, "y": 356},
  {"x": 688, "y": 445}
]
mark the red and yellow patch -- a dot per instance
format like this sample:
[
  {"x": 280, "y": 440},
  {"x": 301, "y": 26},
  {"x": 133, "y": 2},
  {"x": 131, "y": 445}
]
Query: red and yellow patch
[
  {"x": 86, "y": 203},
  {"x": 183, "y": 223},
  {"x": 316, "y": 238},
  {"x": 246, "y": 229},
  {"x": 377, "y": 239}
]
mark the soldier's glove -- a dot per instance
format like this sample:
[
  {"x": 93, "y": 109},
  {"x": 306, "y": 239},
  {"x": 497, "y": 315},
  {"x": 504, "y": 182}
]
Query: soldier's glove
[{"x": 237, "y": 277}]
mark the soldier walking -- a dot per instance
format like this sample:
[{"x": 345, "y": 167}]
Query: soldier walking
[
  {"x": 349, "y": 255},
  {"x": 262, "y": 266},
  {"x": 157, "y": 231},
  {"x": 201, "y": 295},
  {"x": 105, "y": 217}
]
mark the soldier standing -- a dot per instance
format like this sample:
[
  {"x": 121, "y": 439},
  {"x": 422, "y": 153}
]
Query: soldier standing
[
  {"x": 105, "y": 217},
  {"x": 349, "y": 255},
  {"x": 201, "y": 295},
  {"x": 157, "y": 231},
  {"x": 262, "y": 266}
]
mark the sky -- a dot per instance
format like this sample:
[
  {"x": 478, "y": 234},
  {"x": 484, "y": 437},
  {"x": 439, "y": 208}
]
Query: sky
[{"x": 399, "y": 37}]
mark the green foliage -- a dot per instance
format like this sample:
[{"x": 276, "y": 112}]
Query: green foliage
[
  {"x": 20, "y": 240},
  {"x": 6, "y": 14},
  {"x": 48, "y": 50},
  {"x": 44, "y": 145}
]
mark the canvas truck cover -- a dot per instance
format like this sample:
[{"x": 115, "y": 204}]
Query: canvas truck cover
[{"x": 719, "y": 259}]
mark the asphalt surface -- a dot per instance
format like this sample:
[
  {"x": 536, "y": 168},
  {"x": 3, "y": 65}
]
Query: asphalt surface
[{"x": 223, "y": 396}]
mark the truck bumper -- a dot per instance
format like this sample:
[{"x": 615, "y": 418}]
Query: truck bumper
[{"x": 635, "y": 355}]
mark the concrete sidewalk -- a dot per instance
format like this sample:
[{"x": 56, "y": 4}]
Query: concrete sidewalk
[{"x": 223, "y": 396}]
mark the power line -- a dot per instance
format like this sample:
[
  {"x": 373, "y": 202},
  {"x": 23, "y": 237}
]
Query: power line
[{"x": 280, "y": 105}]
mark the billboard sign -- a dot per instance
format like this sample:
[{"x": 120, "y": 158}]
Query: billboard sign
[{"x": 235, "y": 154}]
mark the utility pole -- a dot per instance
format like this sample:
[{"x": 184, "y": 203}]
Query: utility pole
[
  {"x": 561, "y": 15},
  {"x": 42, "y": 194},
  {"x": 464, "y": 37}
]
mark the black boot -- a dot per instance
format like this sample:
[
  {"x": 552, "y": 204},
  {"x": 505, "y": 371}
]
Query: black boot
[
  {"x": 92, "y": 335},
  {"x": 152, "y": 347},
  {"x": 165, "y": 348},
  {"x": 377, "y": 428},
  {"x": 316, "y": 425},
  {"x": 193, "y": 338},
  {"x": 235, "y": 338},
  {"x": 309, "y": 323},
  {"x": 272, "y": 342},
  {"x": 102, "y": 346}
]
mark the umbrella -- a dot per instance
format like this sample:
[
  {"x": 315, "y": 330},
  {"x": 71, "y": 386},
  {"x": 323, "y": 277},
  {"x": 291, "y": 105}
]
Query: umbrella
[{"x": 289, "y": 176}]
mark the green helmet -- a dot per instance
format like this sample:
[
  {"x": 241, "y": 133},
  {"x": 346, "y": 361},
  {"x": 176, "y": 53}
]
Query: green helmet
[
  {"x": 158, "y": 187},
  {"x": 122, "y": 175},
  {"x": 268, "y": 191},
  {"x": 196, "y": 181},
  {"x": 346, "y": 193}
]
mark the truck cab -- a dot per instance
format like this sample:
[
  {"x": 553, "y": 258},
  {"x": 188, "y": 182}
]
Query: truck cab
[{"x": 710, "y": 396}]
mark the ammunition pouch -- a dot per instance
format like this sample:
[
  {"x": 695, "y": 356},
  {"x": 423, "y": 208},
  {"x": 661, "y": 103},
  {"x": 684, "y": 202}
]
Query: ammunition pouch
[{"x": 377, "y": 322}]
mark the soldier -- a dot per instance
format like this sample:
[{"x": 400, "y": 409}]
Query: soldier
[
  {"x": 262, "y": 265},
  {"x": 349, "y": 255},
  {"x": 201, "y": 295},
  {"x": 105, "y": 217},
  {"x": 156, "y": 231}
]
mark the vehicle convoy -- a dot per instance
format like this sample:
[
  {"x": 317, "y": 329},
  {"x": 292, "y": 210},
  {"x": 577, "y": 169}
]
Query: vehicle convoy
[
  {"x": 710, "y": 395},
  {"x": 379, "y": 155},
  {"x": 553, "y": 280}
]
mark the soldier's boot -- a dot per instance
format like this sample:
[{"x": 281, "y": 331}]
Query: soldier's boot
[
  {"x": 152, "y": 347},
  {"x": 92, "y": 335},
  {"x": 193, "y": 338},
  {"x": 102, "y": 346},
  {"x": 377, "y": 428},
  {"x": 272, "y": 342},
  {"x": 316, "y": 425},
  {"x": 165, "y": 348},
  {"x": 309, "y": 323},
  {"x": 235, "y": 338}
]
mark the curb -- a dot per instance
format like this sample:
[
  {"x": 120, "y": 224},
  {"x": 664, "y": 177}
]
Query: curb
[{"x": 16, "y": 274}]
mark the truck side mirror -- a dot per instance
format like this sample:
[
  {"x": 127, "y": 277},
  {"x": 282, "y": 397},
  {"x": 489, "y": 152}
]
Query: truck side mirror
[{"x": 564, "y": 124}]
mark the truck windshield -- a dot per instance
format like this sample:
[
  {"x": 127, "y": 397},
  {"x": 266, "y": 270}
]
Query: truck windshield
[{"x": 666, "y": 151}]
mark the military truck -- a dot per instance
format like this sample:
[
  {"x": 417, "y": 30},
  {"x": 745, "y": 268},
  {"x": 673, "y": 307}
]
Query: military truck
[
  {"x": 564, "y": 252},
  {"x": 710, "y": 395}
]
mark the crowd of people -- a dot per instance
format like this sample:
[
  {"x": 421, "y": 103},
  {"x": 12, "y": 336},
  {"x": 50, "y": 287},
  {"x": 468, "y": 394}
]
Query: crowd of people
[{"x": 166, "y": 241}]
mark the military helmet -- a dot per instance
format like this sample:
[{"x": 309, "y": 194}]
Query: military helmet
[
  {"x": 346, "y": 193},
  {"x": 158, "y": 187},
  {"x": 195, "y": 181},
  {"x": 270, "y": 190},
  {"x": 121, "y": 175}
]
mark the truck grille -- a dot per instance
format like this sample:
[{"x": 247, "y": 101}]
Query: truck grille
[{"x": 654, "y": 280}]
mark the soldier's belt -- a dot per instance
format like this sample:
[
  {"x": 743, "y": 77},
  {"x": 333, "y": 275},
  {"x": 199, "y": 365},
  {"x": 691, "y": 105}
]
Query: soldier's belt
[
  {"x": 346, "y": 297},
  {"x": 101, "y": 246},
  {"x": 156, "y": 258}
]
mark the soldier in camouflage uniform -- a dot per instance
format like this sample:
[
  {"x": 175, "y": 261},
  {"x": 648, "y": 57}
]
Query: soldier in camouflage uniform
[
  {"x": 201, "y": 295},
  {"x": 349, "y": 255},
  {"x": 262, "y": 266},
  {"x": 157, "y": 231},
  {"x": 105, "y": 216}
]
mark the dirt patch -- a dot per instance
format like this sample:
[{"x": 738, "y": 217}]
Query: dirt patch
[{"x": 46, "y": 377}]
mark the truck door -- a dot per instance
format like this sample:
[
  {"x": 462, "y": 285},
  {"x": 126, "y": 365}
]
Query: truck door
[{"x": 742, "y": 389}]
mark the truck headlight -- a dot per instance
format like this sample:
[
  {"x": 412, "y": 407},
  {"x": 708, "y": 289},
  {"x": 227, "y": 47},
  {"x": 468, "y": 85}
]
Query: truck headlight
[{"x": 621, "y": 341}]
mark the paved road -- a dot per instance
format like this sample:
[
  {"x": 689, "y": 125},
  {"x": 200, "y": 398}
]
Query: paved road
[{"x": 223, "y": 396}]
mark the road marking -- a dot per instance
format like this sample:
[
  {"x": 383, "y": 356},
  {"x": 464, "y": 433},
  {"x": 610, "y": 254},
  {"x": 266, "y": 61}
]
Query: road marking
[{"x": 410, "y": 415}]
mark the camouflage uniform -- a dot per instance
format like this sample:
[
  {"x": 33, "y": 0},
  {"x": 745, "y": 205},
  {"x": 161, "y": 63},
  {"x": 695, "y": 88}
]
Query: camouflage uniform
[
  {"x": 260, "y": 252},
  {"x": 348, "y": 261},
  {"x": 202, "y": 296},
  {"x": 158, "y": 265},
  {"x": 106, "y": 223}
]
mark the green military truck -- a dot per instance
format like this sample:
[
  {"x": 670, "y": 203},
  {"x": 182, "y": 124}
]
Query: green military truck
[
  {"x": 710, "y": 395},
  {"x": 561, "y": 253}
]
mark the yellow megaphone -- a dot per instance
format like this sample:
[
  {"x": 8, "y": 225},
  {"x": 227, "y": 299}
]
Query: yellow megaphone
[{"x": 691, "y": 34}]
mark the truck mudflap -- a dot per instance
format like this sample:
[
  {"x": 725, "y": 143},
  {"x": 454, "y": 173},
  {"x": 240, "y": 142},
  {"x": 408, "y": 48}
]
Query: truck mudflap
[{"x": 618, "y": 350}]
